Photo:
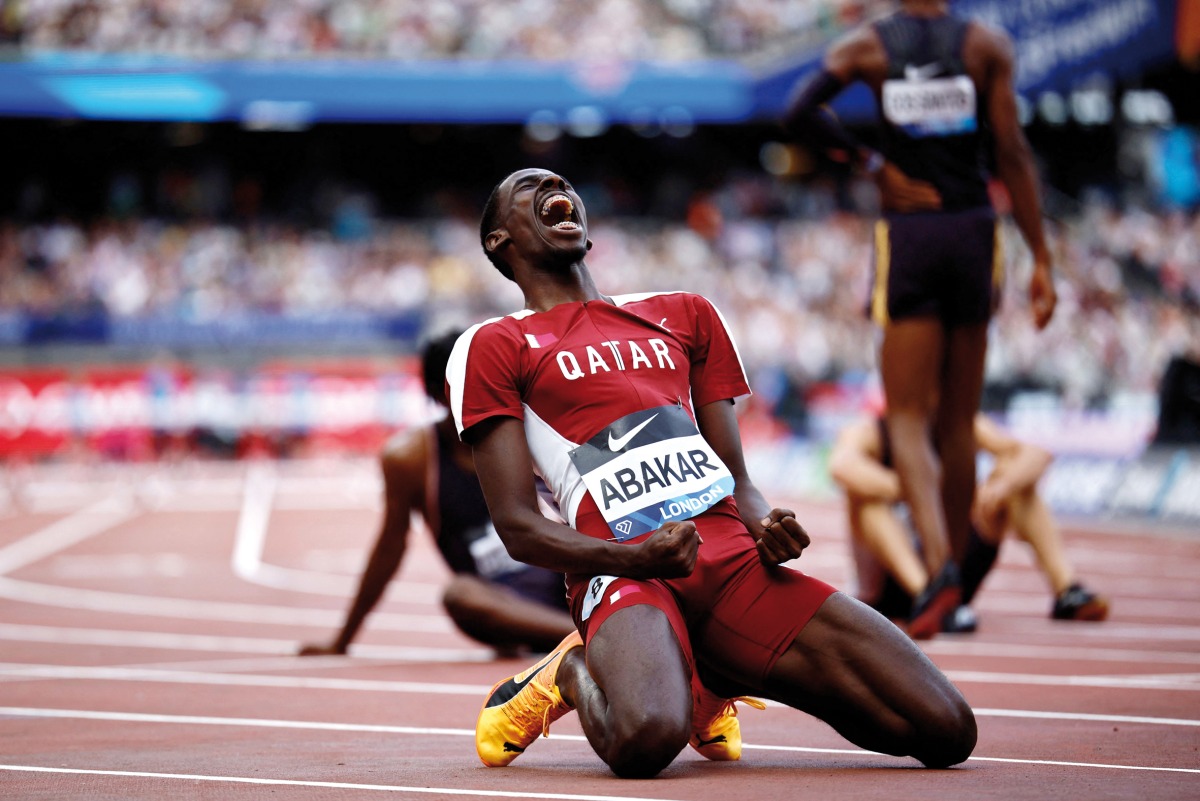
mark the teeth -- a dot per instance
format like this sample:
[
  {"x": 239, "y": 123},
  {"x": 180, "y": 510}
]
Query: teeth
[{"x": 554, "y": 199}]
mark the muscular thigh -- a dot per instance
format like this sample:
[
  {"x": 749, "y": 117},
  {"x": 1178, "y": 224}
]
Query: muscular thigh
[
  {"x": 640, "y": 661},
  {"x": 756, "y": 613},
  {"x": 849, "y": 662}
]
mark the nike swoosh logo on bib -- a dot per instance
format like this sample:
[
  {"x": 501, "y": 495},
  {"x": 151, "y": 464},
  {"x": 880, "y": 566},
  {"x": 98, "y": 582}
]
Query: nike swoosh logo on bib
[
  {"x": 617, "y": 443},
  {"x": 923, "y": 73}
]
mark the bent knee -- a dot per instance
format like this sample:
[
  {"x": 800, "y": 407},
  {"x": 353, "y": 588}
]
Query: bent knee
[
  {"x": 641, "y": 748},
  {"x": 951, "y": 738}
]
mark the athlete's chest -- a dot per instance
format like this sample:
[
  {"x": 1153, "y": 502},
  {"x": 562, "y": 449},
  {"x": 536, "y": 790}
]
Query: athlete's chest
[{"x": 605, "y": 358}]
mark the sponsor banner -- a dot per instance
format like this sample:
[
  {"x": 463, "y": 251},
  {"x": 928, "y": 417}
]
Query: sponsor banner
[
  {"x": 287, "y": 94},
  {"x": 1057, "y": 41},
  {"x": 1080, "y": 485},
  {"x": 120, "y": 411},
  {"x": 1059, "y": 44},
  {"x": 1162, "y": 483},
  {"x": 1180, "y": 499}
]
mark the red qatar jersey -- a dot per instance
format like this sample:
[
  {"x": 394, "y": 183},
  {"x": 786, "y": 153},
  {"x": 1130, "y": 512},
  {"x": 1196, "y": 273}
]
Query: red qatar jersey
[{"x": 607, "y": 393}]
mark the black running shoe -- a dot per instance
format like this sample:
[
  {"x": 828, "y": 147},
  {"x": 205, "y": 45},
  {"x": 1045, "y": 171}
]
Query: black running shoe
[
  {"x": 1078, "y": 603},
  {"x": 961, "y": 621},
  {"x": 940, "y": 598}
]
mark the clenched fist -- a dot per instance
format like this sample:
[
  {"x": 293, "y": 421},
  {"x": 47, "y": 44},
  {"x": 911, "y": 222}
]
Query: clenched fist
[{"x": 781, "y": 537}]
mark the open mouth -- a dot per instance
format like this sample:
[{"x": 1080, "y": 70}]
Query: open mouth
[{"x": 558, "y": 212}]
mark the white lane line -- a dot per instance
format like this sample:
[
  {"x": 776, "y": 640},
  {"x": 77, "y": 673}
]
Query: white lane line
[
  {"x": 64, "y": 533},
  {"x": 252, "y": 521},
  {"x": 1085, "y": 716},
  {"x": 190, "y": 609},
  {"x": 210, "y": 643},
  {"x": 260, "y": 497},
  {"x": 1081, "y": 764},
  {"x": 261, "y": 645},
  {"x": 88, "y": 673},
  {"x": 195, "y": 720},
  {"x": 87, "y": 714},
  {"x": 1102, "y": 765},
  {"x": 9, "y": 670},
  {"x": 387, "y": 788},
  {"x": 1170, "y": 681},
  {"x": 948, "y": 647},
  {"x": 208, "y": 720}
]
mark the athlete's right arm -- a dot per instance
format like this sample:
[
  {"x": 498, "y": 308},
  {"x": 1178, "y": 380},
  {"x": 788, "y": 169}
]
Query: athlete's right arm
[
  {"x": 807, "y": 117},
  {"x": 859, "y": 55},
  {"x": 505, "y": 469},
  {"x": 1015, "y": 166}
]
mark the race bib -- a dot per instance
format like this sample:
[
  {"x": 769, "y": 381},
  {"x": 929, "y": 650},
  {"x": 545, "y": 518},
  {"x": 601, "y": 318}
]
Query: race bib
[
  {"x": 931, "y": 107},
  {"x": 595, "y": 594},
  {"x": 649, "y": 468}
]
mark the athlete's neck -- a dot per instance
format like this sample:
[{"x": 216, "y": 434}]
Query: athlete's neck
[{"x": 545, "y": 289}]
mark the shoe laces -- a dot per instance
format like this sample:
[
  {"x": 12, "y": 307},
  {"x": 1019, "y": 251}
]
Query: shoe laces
[
  {"x": 728, "y": 708},
  {"x": 747, "y": 700},
  {"x": 525, "y": 713}
]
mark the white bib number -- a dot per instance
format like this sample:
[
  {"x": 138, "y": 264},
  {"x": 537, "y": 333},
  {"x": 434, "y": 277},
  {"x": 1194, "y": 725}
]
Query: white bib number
[{"x": 934, "y": 107}]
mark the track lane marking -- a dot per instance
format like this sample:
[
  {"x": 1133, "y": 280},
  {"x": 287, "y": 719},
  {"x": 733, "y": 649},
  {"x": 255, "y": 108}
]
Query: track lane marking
[
  {"x": 25, "y": 711},
  {"x": 193, "y": 609},
  {"x": 1185, "y": 682},
  {"x": 261, "y": 645},
  {"x": 68, "y": 531},
  {"x": 211, "y": 643},
  {"x": 388, "y": 788},
  {"x": 196, "y": 720}
]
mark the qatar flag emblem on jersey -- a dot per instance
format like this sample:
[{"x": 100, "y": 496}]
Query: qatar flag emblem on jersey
[{"x": 540, "y": 340}]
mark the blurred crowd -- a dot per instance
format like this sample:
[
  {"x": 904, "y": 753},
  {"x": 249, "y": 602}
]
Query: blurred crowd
[
  {"x": 793, "y": 287},
  {"x": 600, "y": 30}
]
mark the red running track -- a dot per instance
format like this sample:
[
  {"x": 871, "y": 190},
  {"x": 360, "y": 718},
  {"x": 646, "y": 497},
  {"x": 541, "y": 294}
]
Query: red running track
[{"x": 148, "y": 617}]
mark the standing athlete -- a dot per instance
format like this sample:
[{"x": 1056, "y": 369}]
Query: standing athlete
[
  {"x": 944, "y": 90},
  {"x": 624, "y": 407},
  {"x": 492, "y": 598}
]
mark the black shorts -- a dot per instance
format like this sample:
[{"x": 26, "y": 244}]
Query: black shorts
[
  {"x": 947, "y": 265},
  {"x": 538, "y": 585}
]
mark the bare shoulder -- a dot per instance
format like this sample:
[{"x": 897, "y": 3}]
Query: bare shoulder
[
  {"x": 404, "y": 455},
  {"x": 857, "y": 54},
  {"x": 989, "y": 42}
]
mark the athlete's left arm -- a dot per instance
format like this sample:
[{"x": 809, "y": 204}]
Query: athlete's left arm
[
  {"x": 779, "y": 536},
  {"x": 1019, "y": 465},
  {"x": 1014, "y": 163}
]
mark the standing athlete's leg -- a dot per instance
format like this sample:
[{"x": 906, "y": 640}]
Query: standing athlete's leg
[
  {"x": 961, "y": 387},
  {"x": 910, "y": 364},
  {"x": 857, "y": 672}
]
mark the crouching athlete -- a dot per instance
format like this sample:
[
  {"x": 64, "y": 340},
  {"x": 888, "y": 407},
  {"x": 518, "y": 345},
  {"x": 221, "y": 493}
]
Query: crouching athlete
[{"x": 674, "y": 560}]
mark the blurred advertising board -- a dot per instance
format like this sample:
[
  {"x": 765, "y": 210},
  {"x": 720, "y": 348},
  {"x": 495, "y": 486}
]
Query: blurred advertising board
[{"x": 134, "y": 412}]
